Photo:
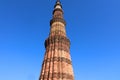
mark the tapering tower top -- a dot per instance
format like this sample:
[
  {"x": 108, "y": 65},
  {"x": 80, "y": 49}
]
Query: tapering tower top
[
  {"x": 57, "y": 19},
  {"x": 58, "y": 4}
]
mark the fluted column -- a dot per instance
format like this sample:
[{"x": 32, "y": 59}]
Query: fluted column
[{"x": 57, "y": 63}]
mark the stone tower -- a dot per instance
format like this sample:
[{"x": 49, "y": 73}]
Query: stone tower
[{"x": 57, "y": 61}]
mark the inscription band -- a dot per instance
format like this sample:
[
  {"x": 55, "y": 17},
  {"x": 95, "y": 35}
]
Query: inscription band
[
  {"x": 58, "y": 59},
  {"x": 57, "y": 75}
]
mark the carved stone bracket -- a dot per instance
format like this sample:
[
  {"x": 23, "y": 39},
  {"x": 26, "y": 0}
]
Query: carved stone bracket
[
  {"x": 57, "y": 39},
  {"x": 57, "y": 20},
  {"x": 57, "y": 10}
]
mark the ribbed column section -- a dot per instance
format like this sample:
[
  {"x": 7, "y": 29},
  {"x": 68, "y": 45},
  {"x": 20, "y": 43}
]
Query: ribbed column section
[{"x": 57, "y": 63}]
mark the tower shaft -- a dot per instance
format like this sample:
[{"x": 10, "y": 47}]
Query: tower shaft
[{"x": 57, "y": 61}]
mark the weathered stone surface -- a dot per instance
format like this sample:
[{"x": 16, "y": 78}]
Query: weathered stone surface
[{"x": 57, "y": 63}]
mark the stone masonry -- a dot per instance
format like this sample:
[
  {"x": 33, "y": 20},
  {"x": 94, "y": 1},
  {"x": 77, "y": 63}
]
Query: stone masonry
[{"x": 57, "y": 61}]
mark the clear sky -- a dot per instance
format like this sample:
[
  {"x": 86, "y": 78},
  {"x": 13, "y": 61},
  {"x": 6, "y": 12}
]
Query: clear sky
[{"x": 93, "y": 27}]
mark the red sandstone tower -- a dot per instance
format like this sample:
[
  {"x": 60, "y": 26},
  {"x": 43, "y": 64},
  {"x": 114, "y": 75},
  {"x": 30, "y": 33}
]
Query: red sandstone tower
[{"x": 57, "y": 61}]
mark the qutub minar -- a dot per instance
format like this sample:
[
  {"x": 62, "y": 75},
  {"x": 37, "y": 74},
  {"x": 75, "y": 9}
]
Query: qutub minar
[{"x": 57, "y": 61}]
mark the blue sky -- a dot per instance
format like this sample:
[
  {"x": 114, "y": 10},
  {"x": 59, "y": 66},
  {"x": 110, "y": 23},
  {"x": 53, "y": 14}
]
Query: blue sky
[{"x": 93, "y": 27}]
